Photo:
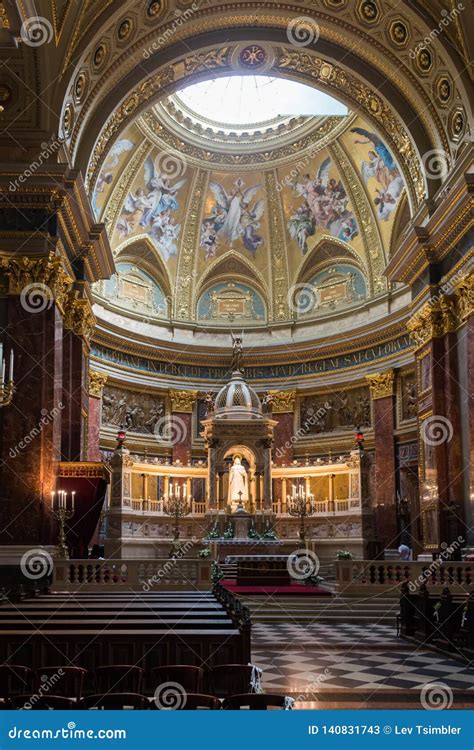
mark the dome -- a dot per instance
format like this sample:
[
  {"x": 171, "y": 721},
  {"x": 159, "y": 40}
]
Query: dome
[{"x": 237, "y": 400}]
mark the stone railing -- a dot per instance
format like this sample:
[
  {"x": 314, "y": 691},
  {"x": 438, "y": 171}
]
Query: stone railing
[
  {"x": 138, "y": 575},
  {"x": 357, "y": 576},
  {"x": 324, "y": 507},
  {"x": 156, "y": 506}
]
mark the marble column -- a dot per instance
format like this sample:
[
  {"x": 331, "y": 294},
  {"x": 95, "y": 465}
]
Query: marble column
[
  {"x": 385, "y": 501},
  {"x": 181, "y": 424},
  {"x": 213, "y": 506},
  {"x": 283, "y": 412},
  {"x": 97, "y": 381},
  {"x": 440, "y": 464}
]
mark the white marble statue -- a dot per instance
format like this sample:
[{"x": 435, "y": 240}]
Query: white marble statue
[{"x": 238, "y": 483}]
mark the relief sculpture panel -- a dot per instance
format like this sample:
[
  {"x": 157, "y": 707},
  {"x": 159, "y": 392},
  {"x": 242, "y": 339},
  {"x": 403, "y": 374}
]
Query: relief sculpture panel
[
  {"x": 334, "y": 412},
  {"x": 142, "y": 413}
]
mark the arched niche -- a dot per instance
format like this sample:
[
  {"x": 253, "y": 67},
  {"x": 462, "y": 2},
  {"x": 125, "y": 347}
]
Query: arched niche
[
  {"x": 140, "y": 286},
  {"x": 228, "y": 302},
  {"x": 336, "y": 286}
]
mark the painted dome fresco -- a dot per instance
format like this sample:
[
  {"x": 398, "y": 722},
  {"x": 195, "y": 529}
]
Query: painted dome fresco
[{"x": 285, "y": 211}]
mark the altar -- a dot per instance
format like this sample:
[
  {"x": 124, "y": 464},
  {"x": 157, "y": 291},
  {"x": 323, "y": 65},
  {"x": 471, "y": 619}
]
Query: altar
[{"x": 261, "y": 570}]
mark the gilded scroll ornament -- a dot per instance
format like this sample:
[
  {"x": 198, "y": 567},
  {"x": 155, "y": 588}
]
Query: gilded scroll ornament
[
  {"x": 97, "y": 381},
  {"x": 381, "y": 385},
  {"x": 437, "y": 317},
  {"x": 183, "y": 401}
]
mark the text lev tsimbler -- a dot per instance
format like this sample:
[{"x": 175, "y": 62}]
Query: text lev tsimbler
[{"x": 351, "y": 729}]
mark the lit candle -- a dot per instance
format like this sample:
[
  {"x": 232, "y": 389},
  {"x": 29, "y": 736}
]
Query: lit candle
[
  {"x": 10, "y": 377},
  {"x": 72, "y": 501},
  {"x": 3, "y": 372}
]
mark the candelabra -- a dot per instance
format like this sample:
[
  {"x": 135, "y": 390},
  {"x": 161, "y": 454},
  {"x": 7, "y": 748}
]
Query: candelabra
[
  {"x": 300, "y": 504},
  {"x": 177, "y": 505},
  {"x": 62, "y": 513},
  {"x": 6, "y": 389}
]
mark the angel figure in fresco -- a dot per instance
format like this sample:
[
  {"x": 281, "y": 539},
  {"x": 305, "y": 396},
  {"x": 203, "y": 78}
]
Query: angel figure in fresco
[
  {"x": 386, "y": 200},
  {"x": 324, "y": 207},
  {"x": 381, "y": 164},
  {"x": 166, "y": 231},
  {"x": 233, "y": 217},
  {"x": 161, "y": 193},
  {"x": 250, "y": 223},
  {"x": 106, "y": 174},
  {"x": 132, "y": 213}
]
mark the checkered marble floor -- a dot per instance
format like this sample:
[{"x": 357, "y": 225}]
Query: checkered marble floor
[
  {"x": 291, "y": 668},
  {"x": 324, "y": 635}
]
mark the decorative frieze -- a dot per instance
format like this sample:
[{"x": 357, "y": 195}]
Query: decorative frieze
[
  {"x": 381, "y": 385},
  {"x": 183, "y": 401}
]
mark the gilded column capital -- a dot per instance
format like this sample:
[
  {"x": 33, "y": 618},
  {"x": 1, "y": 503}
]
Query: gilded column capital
[
  {"x": 465, "y": 297},
  {"x": 97, "y": 381},
  {"x": 382, "y": 384},
  {"x": 183, "y": 401},
  {"x": 282, "y": 401},
  {"x": 78, "y": 316},
  {"x": 39, "y": 280},
  {"x": 436, "y": 317}
]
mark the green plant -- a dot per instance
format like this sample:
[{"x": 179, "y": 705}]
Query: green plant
[
  {"x": 344, "y": 554},
  {"x": 216, "y": 572},
  {"x": 253, "y": 533},
  {"x": 269, "y": 533},
  {"x": 204, "y": 552},
  {"x": 214, "y": 533},
  {"x": 229, "y": 532}
]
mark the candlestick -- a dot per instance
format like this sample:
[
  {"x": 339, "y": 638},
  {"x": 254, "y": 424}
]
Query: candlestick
[{"x": 10, "y": 377}]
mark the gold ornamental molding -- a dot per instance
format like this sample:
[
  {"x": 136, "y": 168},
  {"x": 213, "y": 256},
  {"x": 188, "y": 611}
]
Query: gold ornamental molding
[
  {"x": 382, "y": 384},
  {"x": 183, "y": 401},
  {"x": 97, "y": 381},
  {"x": 437, "y": 317},
  {"x": 84, "y": 470},
  {"x": 282, "y": 401},
  {"x": 296, "y": 62},
  {"x": 39, "y": 280}
]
